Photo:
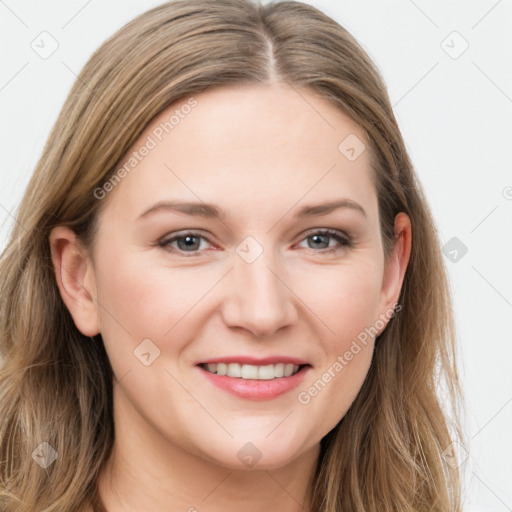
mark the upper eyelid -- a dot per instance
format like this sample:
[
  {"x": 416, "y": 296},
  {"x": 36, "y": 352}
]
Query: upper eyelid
[{"x": 183, "y": 234}]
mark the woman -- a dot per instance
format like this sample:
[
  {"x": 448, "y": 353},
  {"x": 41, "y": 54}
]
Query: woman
[{"x": 224, "y": 286}]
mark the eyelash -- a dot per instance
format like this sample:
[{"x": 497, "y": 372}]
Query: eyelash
[{"x": 344, "y": 241}]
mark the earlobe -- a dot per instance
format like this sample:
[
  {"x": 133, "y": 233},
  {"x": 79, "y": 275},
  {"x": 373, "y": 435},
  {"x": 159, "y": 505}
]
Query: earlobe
[
  {"x": 75, "y": 279},
  {"x": 396, "y": 265}
]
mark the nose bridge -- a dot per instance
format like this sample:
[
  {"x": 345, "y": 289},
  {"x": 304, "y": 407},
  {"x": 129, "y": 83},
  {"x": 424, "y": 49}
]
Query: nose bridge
[{"x": 257, "y": 298}]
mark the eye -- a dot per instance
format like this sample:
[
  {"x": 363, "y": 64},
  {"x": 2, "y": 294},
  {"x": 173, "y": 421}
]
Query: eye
[
  {"x": 188, "y": 242},
  {"x": 320, "y": 240}
]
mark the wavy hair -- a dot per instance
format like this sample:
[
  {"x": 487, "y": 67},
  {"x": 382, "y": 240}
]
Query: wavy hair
[{"x": 56, "y": 384}]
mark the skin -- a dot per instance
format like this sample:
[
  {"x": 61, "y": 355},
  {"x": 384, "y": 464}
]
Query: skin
[{"x": 260, "y": 153}]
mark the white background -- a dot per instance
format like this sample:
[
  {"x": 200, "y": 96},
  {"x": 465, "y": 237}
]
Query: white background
[{"x": 456, "y": 118}]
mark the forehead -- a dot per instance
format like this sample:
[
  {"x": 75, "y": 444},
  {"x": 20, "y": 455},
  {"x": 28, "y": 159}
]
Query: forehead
[
  {"x": 245, "y": 118},
  {"x": 274, "y": 142}
]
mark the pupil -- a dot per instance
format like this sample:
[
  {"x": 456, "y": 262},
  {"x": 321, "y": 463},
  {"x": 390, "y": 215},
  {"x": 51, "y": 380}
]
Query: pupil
[
  {"x": 189, "y": 241},
  {"x": 317, "y": 238}
]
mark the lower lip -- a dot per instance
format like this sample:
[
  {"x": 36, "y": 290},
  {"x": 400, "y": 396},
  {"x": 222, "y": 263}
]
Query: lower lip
[{"x": 254, "y": 389}]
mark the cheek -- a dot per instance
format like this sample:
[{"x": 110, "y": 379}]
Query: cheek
[
  {"x": 139, "y": 302},
  {"x": 353, "y": 310},
  {"x": 345, "y": 299},
  {"x": 347, "y": 302},
  {"x": 142, "y": 295}
]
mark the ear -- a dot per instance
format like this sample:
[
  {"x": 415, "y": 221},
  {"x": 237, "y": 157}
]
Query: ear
[
  {"x": 75, "y": 279},
  {"x": 395, "y": 267}
]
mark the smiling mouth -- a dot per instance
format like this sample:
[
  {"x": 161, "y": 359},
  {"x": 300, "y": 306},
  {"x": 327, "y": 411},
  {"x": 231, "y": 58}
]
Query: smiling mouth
[{"x": 252, "y": 372}]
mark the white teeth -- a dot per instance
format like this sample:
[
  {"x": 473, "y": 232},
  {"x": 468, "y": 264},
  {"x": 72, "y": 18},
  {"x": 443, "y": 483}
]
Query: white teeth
[
  {"x": 288, "y": 370},
  {"x": 265, "y": 372},
  {"x": 211, "y": 367},
  {"x": 279, "y": 370},
  {"x": 235, "y": 370},
  {"x": 248, "y": 371}
]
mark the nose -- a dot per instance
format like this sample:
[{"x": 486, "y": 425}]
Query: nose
[{"x": 258, "y": 298}]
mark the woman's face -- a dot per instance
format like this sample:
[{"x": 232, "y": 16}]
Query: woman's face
[{"x": 241, "y": 268}]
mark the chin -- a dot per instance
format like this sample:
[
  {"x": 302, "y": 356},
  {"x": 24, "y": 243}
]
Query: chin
[{"x": 247, "y": 455}]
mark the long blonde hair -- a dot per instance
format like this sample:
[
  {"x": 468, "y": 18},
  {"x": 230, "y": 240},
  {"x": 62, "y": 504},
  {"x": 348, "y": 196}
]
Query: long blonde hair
[{"x": 56, "y": 384}]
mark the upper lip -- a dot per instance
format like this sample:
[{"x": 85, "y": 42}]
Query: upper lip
[{"x": 255, "y": 361}]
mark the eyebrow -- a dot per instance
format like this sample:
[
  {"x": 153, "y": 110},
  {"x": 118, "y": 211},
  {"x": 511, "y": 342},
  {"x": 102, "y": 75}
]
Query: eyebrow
[{"x": 208, "y": 210}]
